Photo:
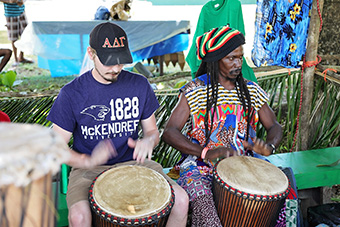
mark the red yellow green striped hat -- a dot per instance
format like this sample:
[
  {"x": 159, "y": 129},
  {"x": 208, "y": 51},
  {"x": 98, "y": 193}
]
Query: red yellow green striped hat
[{"x": 218, "y": 42}]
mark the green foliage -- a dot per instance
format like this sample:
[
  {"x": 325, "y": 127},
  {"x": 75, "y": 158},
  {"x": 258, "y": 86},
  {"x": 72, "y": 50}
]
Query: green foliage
[
  {"x": 7, "y": 78},
  {"x": 336, "y": 199},
  {"x": 180, "y": 83},
  {"x": 28, "y": 110},
  {"x": 164, "y": 154},
  {"x": 284, "y": 91},
  {"x": 42, "y": 83}
]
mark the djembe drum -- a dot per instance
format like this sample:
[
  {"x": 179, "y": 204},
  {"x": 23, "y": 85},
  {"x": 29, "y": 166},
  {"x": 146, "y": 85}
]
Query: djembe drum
[
  {"x": 130, "y": 195},
  {"x": 29, "y": 156},
  {"x": 248, "y": 191}
]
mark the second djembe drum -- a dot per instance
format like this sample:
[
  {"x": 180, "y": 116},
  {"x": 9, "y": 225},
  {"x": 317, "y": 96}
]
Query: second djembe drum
[{"x": 248, "y": 191}]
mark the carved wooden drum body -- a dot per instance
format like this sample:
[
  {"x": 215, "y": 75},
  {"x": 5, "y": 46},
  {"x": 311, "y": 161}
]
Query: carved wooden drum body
[
  {"x": 248, "y": 191},
  {"x": 29, "y": 156},
  {"x": 130, "y": 195}
]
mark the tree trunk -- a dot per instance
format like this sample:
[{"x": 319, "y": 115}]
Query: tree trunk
[{"x": 308, "y": 76}]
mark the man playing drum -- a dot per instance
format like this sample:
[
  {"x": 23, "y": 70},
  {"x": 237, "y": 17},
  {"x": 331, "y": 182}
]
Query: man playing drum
[
  {"x": 234, "y": 107},
  {"x": 102, "y": 110}
]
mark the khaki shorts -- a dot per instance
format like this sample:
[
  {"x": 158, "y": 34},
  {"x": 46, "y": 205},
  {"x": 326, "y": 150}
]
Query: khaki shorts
[{"x": 80, "y": 180}]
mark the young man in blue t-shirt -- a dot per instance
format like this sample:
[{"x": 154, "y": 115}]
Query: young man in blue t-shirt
[{"x": 104, "y": 107}]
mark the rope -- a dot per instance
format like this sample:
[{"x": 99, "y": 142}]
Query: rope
[
  {"x": 325, "y": 72},
  {"x": 320, "y": 16},
  {"x": 304, "y": 65}
]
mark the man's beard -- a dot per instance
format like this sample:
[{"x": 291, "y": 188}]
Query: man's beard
[
  {"x": 236, "y": 72},
  {"x": 112, "y": 79}
]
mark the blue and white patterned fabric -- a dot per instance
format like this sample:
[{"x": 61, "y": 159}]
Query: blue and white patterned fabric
[{"x": 281, "y": 30}]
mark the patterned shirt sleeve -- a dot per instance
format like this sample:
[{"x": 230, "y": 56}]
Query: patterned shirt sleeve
[{"x": 258, "y": 96}]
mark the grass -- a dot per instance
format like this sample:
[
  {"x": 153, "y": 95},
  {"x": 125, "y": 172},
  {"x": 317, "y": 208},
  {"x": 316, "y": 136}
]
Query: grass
[
  {"x": 3, "y": 37},
  {"x": 32, "y": 79}
]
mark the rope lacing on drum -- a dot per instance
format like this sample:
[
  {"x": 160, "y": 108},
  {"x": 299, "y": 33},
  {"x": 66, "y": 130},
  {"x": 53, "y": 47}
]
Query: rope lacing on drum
[{"x": 249, "y": 196}]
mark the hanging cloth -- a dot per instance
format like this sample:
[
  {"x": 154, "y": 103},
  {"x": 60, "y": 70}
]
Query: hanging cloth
[
  {"x": 281, "y": 30},
  {"x": 213, "y": 14}
]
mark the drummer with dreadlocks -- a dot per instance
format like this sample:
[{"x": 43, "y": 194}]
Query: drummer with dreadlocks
[{"x": 221, "y": 110}]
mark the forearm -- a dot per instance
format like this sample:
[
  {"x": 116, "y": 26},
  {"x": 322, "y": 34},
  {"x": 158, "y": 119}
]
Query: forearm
[
  {"x": 152, "y": 137},
  {"x": 79, "y": 160},
  {"x": 273, "y": 128},
  {"x": 177, "y": 140},
  {"x": 76, "y": 159},
  {"x": 101, "y": 153},
  {"x": 274, "y": 135}
]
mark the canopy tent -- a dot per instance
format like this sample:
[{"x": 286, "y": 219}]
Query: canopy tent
[{"x": 61, "y": 45}]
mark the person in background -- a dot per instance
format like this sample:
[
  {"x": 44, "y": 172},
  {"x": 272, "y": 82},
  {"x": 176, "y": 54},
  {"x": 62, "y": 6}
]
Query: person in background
[
  {"x": 221, "y": 110},
  {"x": 5, "y": 55},
  {"x": 102, "y": 109},
  {"x": 16, "y": 23},
  {"x": 216, "y": 13}
]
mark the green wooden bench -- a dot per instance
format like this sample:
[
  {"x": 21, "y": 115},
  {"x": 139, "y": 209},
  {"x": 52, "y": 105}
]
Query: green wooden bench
[
  {"x": 304, "y": 165},
  {"x": 311, "y": 179}
]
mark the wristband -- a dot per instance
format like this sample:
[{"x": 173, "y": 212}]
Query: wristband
[
  {"x": 273, "y": 147},
  {"x": 204, "y": 152}
]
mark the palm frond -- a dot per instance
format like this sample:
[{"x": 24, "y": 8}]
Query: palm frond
[{"x": 28, "y": 110}]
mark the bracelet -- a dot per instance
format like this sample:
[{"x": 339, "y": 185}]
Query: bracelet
[
  {"x": 273, "y": 148},
  {"x": 204, "y": 152}
]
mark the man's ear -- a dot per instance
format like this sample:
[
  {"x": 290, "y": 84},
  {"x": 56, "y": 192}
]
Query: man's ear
[{"x": 90, "y": 53}]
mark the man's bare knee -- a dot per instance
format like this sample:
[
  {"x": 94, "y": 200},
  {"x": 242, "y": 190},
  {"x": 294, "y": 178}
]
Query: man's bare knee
[
  {"x": 179, "y": 213},
  {"x": 80, "y": 214}
]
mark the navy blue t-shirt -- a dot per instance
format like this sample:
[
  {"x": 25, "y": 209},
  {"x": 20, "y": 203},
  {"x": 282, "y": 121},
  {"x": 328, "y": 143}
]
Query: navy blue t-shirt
[{"x": 93, "y": 111}]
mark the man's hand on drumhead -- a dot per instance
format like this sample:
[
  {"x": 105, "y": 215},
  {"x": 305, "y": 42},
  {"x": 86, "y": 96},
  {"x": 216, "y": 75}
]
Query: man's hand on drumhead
[
  {"x": 220, "y": 152},
  {"x": 143, "y": 148},
  {"x": 259, "y": 146},
  {"x": 101, "y": 153}
]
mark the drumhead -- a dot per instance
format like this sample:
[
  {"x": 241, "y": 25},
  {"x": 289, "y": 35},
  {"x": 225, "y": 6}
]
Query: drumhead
[
  {"x": 252, "y": 175},
  {"x": 29, "y": 152},
  {"x": 131, "y": 192}
]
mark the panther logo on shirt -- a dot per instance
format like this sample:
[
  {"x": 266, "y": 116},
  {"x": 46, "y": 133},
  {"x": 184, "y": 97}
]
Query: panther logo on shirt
[{"x": 98, "y": 112}]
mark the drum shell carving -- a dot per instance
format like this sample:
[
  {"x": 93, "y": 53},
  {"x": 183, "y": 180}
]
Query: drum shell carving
[
  {"x": 28, "y": 206},
  {"x": 30, "y": 155}
]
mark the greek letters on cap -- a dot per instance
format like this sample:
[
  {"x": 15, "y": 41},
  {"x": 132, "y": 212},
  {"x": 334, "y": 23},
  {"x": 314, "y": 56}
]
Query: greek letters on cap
[{"x": 118, "y": 42}]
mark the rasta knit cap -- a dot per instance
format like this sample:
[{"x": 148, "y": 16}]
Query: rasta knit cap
[{"x": 218, "y": 43}]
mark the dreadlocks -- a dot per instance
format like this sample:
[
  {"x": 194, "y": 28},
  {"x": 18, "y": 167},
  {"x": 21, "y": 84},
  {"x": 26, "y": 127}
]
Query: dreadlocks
[
  {"x": 243, "y": 95},
  {"x": 212, "y": 71}
]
